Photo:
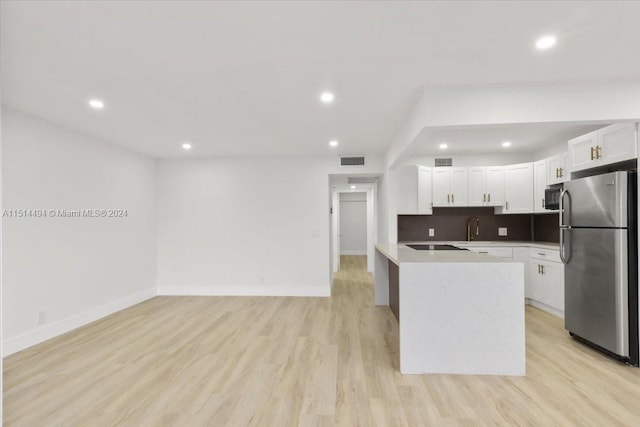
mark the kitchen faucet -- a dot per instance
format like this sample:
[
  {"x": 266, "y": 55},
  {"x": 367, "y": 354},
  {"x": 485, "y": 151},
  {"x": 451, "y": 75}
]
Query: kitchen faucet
[{"x": 469, "y": 234}]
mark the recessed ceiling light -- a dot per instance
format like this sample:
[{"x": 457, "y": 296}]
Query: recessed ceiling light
[
  {"x": 353, "y": 187},
  {"x": 545, "y": 42},
  {"x": 443, "y": 146},
  {"x": 186, "y": 146},
  {"x": 326, "y": 97},
  {"x": 96, "y": 104},
  {"x": 333, "y": 143},
  {"x": 506, "y": 144}
]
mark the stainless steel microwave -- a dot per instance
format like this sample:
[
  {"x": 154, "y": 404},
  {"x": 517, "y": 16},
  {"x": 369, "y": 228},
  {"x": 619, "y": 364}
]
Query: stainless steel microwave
[{"x": 552, "y": 197}]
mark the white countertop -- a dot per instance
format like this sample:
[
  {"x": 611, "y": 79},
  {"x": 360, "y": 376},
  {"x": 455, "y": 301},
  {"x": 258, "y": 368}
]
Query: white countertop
[
  {"x": 497, "y": 244},
  {"x": 398, "y": 253}
]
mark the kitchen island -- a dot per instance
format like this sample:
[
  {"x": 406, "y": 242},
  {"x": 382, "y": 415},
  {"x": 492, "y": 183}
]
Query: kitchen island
[{"x": 459, "y": 312}]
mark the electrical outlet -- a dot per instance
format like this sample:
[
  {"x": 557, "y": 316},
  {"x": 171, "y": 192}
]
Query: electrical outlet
[
  {"x": 502, "y": 231},
  {"x": 432, "y": 232},
  {"x": 42, "y": 317}
]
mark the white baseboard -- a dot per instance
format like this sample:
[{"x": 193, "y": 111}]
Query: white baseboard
[
  {"x": 362, "y": 252},
  {"x": 46, "y": 332},
  {"x": 545, "y": 307},
  {"x": 266, "y": 291}
]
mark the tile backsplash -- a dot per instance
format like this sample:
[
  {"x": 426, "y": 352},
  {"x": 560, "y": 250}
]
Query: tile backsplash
[{"x": 451, "y": 224}]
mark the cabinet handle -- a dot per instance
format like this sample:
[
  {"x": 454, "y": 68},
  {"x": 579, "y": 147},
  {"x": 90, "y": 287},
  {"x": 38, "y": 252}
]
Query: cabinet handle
[
  {"x": 598, "y": 152},
  {"x": 538, "y": 268},
  {"x": 543, "y": 203},
  {"x": 489, "y": 198},
  {"x": 506, "y": 205},
  {"x": 541, "y": 254},
  {"x": 561, "y": 170},
  {"x": 558, "y": 173},
  {"x": 542, "y": 268},
  {"x": 448, "y": 198},
  {"x": 452, "y": 201},
  {"x": 592, "y": 149},
  {"x": 484, "y": 197}
]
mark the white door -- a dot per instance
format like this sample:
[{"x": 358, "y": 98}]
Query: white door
[
  {"x": 495, "y": 185},
  {"x": 582, "y": 151},
  {"x": 539, "y": 185},
  {"x": 477, "y": 187},
  {"x": 519, "y": 188},
  {"x": 459, "y": 187},
  {"x": 617, "y": 142},
  {"x": 441, "y": 186},
  {"x": 557, "y": 169}
]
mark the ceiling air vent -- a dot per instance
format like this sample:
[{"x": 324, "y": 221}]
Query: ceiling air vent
[
  {"x": 352, "y": 161},
  {"x": 444, "y": 162}
]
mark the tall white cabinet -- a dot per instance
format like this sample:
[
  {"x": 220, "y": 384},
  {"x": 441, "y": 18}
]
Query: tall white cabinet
[{"x": 518, "y": 188}]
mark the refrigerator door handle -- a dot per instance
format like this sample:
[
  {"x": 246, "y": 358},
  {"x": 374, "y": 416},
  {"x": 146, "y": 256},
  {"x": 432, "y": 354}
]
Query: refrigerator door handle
[
  {"x": 563, "y": 252},
  {"x": 561, "y": 207},
  {"x": 564, "y": 227}
]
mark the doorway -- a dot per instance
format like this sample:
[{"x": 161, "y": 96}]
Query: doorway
[
  {"x": 353, "y": 231},
  {"x": 353, "y": 224}
]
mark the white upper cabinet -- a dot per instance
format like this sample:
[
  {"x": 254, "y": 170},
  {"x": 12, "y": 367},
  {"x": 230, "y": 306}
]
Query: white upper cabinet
[
  {"x": 486, "y": 186},
  {"x": 618, "y": 142},
  {"x": 518, "y": 189},
  {"x": 495, "y": 185},
  {"x": 605, "y": 146},
  {"x": 413, "y": 190},
  {"x": 450, "y": 187},
  {"x": 557, "y": 169},
  {"x": 539, "y": 185}
]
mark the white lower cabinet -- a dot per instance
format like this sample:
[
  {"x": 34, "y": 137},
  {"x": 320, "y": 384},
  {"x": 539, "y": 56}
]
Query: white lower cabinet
[
  {"x": 545, "y": 287},
  {"x": 500, "y": 252}
]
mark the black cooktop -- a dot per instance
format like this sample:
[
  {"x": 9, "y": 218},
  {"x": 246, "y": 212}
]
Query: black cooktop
[{"x": 436, "y": 248}]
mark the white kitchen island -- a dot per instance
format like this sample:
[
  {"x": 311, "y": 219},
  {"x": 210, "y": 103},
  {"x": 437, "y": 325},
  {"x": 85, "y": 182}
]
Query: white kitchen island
[{"x": 459, "y": 312}]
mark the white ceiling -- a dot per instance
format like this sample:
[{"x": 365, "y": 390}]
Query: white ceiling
[
  {"x": 524, "y": 138},
  {"x": 243, "y": 78}
]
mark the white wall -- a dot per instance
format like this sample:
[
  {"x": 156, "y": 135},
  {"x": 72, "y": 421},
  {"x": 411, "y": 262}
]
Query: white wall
[
  {"x": 74, "y": 269},
  {"x": 353, "y": 223},
  {"x": 244, "y": 226},
  {"x": 473, "y": 160}
]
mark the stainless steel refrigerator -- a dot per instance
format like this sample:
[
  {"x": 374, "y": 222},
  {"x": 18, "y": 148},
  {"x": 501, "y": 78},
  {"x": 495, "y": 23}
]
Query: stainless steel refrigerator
[{"x": 598, "y": 245}]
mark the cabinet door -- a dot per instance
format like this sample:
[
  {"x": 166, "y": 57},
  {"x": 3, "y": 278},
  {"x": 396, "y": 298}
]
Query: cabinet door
[
  {"x": 459, "y": 187},
  {"x": 407, "y": 190},
  {"x": 539, "y": 185},
  {"x": 535, "y": 290},
  {"x": 553, "y": 278},
  {"x": 519, "y": 188},
  {"x": 494, "y": 178},
  {"x": 581, "y": 151},
  {"x": 424, "y": 190},
  {"x": 617, "y": 142},
  {"x": 441, "y": 179},
  {"x": 476, "y": 186},
  {"x": 557, "y": 169}
]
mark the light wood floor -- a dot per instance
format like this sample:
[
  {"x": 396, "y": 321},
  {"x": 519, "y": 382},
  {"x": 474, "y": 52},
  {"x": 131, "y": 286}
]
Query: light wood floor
[{"x": 192, "y": 361}]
